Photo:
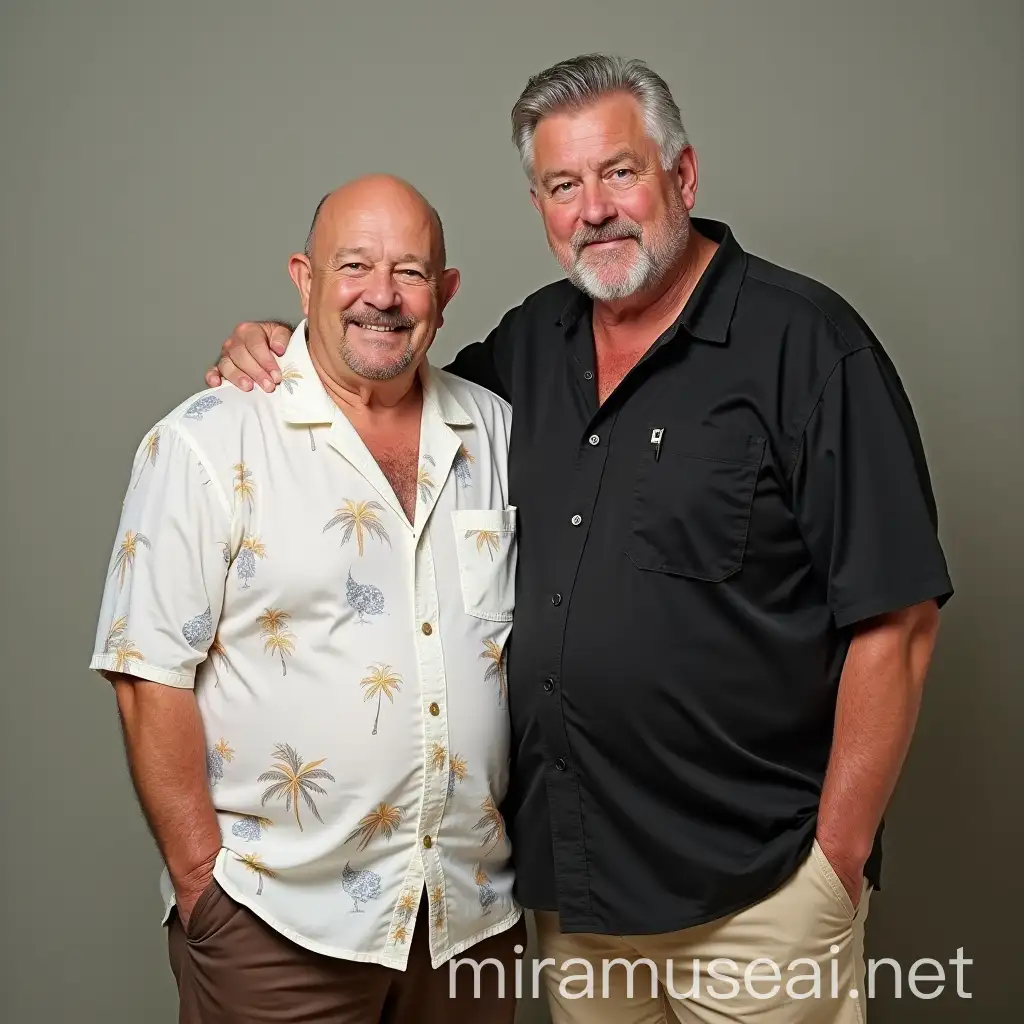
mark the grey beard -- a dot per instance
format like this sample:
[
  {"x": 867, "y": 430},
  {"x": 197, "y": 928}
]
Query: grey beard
[
  {"x": 646, "y": 269},
  {"x": 368, "y": 370}
]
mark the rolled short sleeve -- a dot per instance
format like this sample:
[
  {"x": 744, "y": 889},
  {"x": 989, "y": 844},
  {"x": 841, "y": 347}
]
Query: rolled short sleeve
[
  {"x": 164, "y": 588},
  {"x": 863, "y": 497}
]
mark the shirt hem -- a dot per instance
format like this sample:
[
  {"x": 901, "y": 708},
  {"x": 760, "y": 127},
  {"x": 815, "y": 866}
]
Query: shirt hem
[
  {"x": 510, "y": 920},
  {"x": 152, "y": 673},
  {"x": 337, "y": 952}
]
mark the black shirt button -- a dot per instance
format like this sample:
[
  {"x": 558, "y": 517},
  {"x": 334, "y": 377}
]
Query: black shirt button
[
  {"x": 588, "y": 375},
  {"x": 594, "y": 439},
  {"x": 556, "y": 599},
  {"x": 560, "y": 765},
  {"x": 549, "y": 685}
]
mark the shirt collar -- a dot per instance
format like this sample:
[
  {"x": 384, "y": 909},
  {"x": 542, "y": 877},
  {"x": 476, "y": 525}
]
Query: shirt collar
[
  {"x": 708, "y": 312},
  {"x": 305, "y": 400}
]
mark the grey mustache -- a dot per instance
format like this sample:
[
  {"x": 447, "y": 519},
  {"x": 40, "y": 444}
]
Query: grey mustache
[
  {"x": 379, "y": 320},
  {"x": 605, "y": 233}
]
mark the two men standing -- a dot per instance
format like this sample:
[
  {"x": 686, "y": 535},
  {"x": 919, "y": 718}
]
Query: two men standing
[{"x": 728, "y": 577}]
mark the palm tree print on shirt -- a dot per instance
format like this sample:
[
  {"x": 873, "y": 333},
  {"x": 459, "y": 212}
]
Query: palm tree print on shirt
[
  {"x": 424, "y": 482},
  {"x": 219, "y": 654},
  {"x": 277, "y": 640},
  {"x": 460, "y": 467},
  {"x": 495, "y": 671},
  {"x": 438, "y": 757},
  {"x": 403, "y": 912},
  {"x": 457, "y": 769},
  {"x": 290, "y": 778},
  {"x": 289, "y": 375},
  {"x": 457, "y": 772},
  {"x": 255, "y": 864},
  {"x": 125, "y": 558},
  {"x": 118, "y": 644},
  {"x": 244, "y": 486},
  {"x": 381, "y": 682},
  {"x": 489, "y": 539},
  {"x": 250, "y": 549},
  {"x": 488, "y": 897},
  {"x": 384, "y": 820},
  {"x": 492, "y": 824},
  {"x": 151, "y": 449},
  {"x": 215, "y": 760},
  {"x": 437, "y": 905},
  {"x": 359, "y": 518},
  {"x": 115, "y": 633}
]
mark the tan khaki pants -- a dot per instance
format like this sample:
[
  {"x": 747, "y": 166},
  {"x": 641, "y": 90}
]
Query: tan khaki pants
[{"x": 807, "y": 929}]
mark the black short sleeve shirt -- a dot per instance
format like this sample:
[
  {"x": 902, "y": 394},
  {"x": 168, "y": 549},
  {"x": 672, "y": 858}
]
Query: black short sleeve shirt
[{"x": 694, "y": 557}]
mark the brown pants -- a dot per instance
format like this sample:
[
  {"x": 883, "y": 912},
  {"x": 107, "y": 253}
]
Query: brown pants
[{"x": 232, "y": 968}]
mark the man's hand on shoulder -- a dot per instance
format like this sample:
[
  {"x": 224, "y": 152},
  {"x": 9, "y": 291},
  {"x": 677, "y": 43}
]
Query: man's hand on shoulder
[{"x": 250, "y": 355}]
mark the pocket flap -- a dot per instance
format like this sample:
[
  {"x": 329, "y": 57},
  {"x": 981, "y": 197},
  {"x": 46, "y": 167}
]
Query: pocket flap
[{"x": 496, "y": 520}]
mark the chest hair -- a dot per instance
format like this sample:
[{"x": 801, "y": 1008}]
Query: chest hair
[{"x": 399, "y": 462}]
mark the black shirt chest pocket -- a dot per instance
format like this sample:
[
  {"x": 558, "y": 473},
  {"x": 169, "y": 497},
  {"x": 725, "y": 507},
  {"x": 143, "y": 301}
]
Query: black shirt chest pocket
[{"x": 692, "y": 503}]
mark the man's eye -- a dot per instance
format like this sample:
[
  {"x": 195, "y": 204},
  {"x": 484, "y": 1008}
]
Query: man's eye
[
  {"x": 563, "y": 187},
  {"x": 411, "y": 273},
  {"x": 622, "y": 173}
]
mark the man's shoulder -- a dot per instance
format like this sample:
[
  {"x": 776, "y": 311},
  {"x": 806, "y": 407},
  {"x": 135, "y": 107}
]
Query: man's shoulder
[
  {"x": 212, "y": 420},
  {"x": 807, "y": 307},
  {"x": 545, "y": 305}
]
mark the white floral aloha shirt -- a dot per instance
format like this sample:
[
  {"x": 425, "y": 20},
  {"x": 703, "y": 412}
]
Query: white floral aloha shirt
[{"x": 349, "y": 665}]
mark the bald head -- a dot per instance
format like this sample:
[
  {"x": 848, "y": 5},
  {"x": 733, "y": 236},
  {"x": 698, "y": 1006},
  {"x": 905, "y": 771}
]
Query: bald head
[
  {"x": 373, "y": 279},
  {"x": 383, "y": 192}
]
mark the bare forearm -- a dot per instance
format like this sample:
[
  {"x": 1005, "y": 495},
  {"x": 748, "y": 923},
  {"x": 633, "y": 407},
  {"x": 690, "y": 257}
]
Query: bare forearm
[
  {"x": 877, "y": 708},
  {"x": 167, "y": 757}
]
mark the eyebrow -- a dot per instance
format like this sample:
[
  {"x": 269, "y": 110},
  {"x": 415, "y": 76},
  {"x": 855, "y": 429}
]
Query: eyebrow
[
  {"x": 406, "y": 257},
  {"x": 622, "y": 154},
  {"x": 350, "y": 251}
]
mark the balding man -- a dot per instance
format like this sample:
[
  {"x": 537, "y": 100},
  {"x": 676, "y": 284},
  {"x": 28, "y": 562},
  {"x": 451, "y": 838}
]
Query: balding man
[{"x": 305, "y": 621}]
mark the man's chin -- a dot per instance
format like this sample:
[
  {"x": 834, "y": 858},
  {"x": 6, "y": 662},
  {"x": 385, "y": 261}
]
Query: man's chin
[{"x": 374, "y": 366}]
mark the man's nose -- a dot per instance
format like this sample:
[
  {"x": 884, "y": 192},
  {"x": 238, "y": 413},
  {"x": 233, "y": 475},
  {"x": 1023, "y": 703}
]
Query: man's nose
[
  {"x": 597, "y": 205},
  {"x": 380, "y": 291}
]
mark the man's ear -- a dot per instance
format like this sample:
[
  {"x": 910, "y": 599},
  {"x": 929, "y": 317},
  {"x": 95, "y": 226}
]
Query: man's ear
[
  {"x": 686, "y": 177},
  {"x": 301, "y": 273},
  {"x": 450, "y": 281}
]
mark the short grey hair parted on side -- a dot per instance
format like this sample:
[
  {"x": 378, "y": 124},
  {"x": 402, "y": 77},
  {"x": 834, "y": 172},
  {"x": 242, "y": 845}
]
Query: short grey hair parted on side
[{"x": 578, "y": 82}]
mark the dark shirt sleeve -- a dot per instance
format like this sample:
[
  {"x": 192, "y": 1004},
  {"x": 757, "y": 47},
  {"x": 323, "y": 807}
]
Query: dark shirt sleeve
[
  {"x": 489, "y": 362},
  {"x": 863, "y": 496}
]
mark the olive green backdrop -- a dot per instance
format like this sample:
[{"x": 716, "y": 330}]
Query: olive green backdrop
[{"x": 159, "y": 162}]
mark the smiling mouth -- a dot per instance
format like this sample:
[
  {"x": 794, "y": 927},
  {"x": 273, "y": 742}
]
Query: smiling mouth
[
  {"x": 608, "y": 241},
  {"x": 377, "y": 328}
]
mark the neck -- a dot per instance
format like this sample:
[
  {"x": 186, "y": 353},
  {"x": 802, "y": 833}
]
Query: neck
[
  {"x": 357, "y": 396},
  {"x": 665, "y": 300}
]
